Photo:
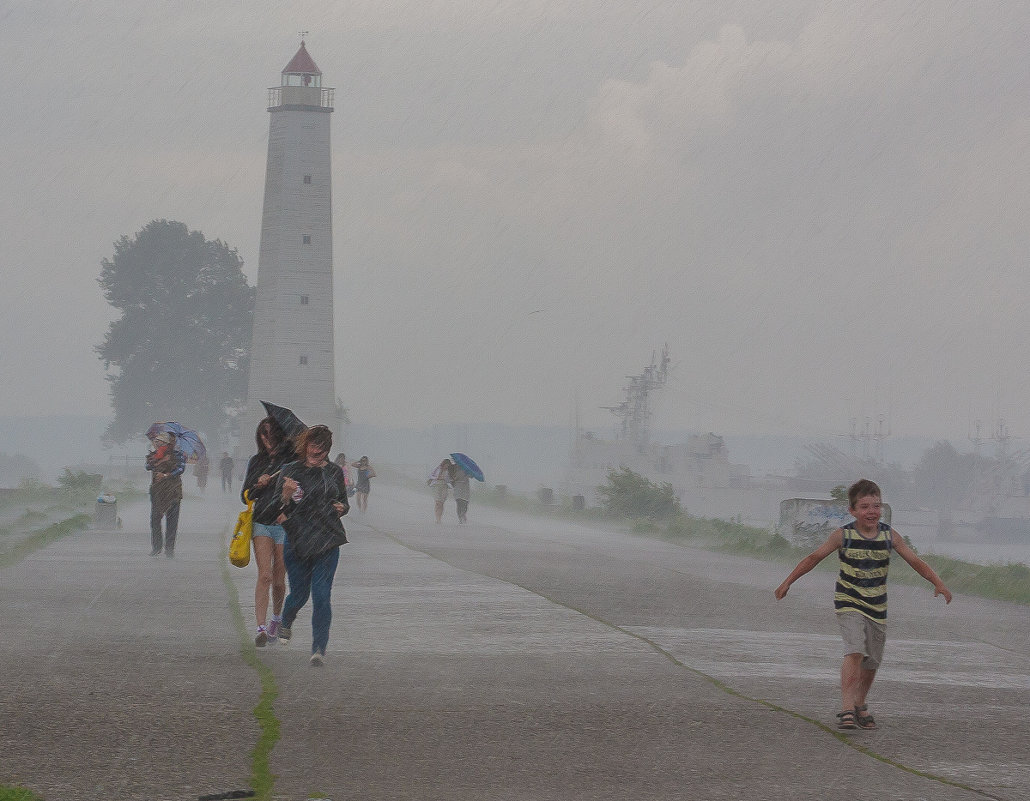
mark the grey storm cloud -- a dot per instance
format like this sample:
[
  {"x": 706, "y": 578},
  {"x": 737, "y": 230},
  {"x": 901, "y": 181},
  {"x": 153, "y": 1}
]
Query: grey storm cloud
[{"x": 818, "y": 206}]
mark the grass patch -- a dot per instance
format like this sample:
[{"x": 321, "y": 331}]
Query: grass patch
[
  {"x": 8, "y": 793},
  {"x": 262, "y": 780},
  {"x": 1007, "y": 582},
  {"x": 999, "y": 582},
  {"x": 42, "y": 538}
]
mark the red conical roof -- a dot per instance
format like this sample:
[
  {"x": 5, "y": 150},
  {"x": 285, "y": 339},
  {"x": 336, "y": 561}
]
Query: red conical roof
[{"x": 302, "y": 63}]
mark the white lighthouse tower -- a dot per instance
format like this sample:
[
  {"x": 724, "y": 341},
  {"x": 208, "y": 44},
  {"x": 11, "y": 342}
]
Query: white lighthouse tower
[{"x": 292, "y": 346}]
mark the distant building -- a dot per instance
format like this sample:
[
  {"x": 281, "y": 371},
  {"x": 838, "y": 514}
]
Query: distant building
[{"x": 292, "y": 358}]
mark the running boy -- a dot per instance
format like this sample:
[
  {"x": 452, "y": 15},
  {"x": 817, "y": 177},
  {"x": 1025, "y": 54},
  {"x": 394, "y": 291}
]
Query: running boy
[{"x": 860, "y": 598}]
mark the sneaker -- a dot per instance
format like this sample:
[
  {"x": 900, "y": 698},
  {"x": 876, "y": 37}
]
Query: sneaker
[
  {"x": 272, "y": 630},
  {"x": 284, "y": 632},
  {"x": 155, "y": 552},
  {"x": 262, "y": 637},
  {"x": 317, "y": 659}
]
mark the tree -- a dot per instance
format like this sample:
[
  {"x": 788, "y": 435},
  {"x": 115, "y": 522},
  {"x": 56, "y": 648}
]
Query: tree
[
  {"x": 629, "y": 494},
  {"x": 945, "y": 478},
  {"x": 182, "y": 344}
]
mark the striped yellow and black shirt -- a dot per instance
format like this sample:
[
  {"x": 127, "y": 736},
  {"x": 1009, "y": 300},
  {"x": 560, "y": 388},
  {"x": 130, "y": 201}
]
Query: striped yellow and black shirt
[{"x": 862, "y": 581}]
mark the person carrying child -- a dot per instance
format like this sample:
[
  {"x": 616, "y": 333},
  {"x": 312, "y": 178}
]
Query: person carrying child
[
  {"x": 860, "y": 597},
  {"x": 166, "y": 465}
]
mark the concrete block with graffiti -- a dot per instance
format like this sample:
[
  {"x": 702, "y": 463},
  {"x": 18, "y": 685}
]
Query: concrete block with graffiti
[{"x": 807, "y": 522}]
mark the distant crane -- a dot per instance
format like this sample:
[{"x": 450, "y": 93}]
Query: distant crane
[{"x": 635, "y": 412}]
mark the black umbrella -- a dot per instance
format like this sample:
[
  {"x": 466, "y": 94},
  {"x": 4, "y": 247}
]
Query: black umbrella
[{"x": 291, "y": 425}]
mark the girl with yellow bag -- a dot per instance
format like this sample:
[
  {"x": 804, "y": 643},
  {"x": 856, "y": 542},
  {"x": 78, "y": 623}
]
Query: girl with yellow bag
[{"x": 273, "y": 450}]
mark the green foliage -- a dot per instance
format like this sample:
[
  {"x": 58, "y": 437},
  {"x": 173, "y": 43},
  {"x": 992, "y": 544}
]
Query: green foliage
[
  {"x": 8, "y": 793},
  {"x": 79, "y": 481},
  {"x": 1007, "y": 582},
  {"x": 839, "y": 493},
  {"x": 42, "y": 538},
  {"x": 629, "y": 494},
  {"x": 182, "y": 344}
]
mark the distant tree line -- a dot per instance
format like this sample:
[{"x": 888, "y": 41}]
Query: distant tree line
[{"x": 944, "y": 479}]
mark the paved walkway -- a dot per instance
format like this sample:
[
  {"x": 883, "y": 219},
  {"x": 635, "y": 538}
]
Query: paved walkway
[
  {"x": 513, "y": 658},
  {"x": 122, "y": 673}
]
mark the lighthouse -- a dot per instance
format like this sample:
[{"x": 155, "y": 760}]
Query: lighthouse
[{"x": 292, "y": 346}]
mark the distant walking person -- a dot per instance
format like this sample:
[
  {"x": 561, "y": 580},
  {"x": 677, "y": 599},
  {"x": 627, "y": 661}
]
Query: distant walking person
[
  {"x": 312, "y": 499},
  {"x": 273, "y": 451},
  {"x": 462, "y": 491},
  {"x": 439, "y": 481},
  {"x": 864, "y": 548},
  {"x": 363, "y": 482},
  {"x": 226, "y": 465},
  {"x": 341, "y": 462},
  {"x": 166, "y": 465},
  {"x": 200, "y": 470}
]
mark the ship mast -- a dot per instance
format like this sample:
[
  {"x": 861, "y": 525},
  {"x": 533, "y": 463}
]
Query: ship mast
[{"x": 634, "y": 412}]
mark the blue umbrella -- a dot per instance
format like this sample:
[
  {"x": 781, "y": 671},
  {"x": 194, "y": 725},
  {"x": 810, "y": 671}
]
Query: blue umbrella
[
  {"x": 466, "y": 464},
  {"x": 186, "y": 440}
]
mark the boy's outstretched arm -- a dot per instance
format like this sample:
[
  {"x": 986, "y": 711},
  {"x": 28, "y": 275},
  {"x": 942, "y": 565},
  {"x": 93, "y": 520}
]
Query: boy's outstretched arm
[
  {"x": 920, "y": 566},
  {"x": 833, "y": 543}
]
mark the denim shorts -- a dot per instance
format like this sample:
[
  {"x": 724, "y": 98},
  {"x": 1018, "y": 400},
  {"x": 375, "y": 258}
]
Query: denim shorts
[{"x": 277, "y": 533}]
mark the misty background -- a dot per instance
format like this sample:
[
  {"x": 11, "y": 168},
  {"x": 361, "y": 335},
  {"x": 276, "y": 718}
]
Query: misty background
[{"x": 820, "y": 208}]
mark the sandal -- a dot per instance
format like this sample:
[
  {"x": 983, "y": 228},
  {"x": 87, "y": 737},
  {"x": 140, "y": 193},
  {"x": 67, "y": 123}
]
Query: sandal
[
  {"x": 846, "y": 719},
  {"x": 864, "y": 721}
]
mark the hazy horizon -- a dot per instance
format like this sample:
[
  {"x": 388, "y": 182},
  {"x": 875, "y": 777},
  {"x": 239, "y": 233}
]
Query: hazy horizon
[{"x": 819, "y": 207}]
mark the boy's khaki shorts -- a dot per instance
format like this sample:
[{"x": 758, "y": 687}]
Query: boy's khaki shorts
[{"x": 862, "y": 636}]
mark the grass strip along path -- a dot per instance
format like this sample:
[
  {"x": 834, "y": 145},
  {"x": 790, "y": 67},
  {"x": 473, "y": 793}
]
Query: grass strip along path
[
  {"x": 262, "y": 779},
  {"x": 8, "y": 793},
  {"x": 41, "y": 538}
]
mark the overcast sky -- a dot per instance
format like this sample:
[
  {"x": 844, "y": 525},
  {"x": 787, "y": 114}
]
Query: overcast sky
[{"x": 821, "y": 207}]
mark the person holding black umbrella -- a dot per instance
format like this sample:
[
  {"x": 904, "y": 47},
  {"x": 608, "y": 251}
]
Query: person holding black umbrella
[{"x": 273, "y": 451}]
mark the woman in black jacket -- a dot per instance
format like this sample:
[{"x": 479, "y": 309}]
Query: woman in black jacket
[
  {"x": 313, "y": 498},
  {"x": 273, "y": 450}
]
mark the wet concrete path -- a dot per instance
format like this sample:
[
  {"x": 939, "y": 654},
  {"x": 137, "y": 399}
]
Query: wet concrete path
[{"x": 513, "y": 658}]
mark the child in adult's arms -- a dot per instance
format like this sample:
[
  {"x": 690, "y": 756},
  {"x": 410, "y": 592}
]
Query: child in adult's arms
[{"x": 860, "y": 596}]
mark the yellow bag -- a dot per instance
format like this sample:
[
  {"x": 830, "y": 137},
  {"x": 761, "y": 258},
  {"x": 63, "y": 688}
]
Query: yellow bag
[{"x": 239, "y": 546}]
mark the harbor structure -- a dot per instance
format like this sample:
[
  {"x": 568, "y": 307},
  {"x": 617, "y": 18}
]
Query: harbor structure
[{"x": 702, "y": 461}]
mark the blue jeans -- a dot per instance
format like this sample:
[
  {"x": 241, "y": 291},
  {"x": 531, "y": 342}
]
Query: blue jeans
[{"x": 314, "y": 578}]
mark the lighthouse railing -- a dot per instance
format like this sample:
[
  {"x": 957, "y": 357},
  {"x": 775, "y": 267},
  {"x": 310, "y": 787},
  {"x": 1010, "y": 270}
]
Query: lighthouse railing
[{"x": 325, "y": 95}]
